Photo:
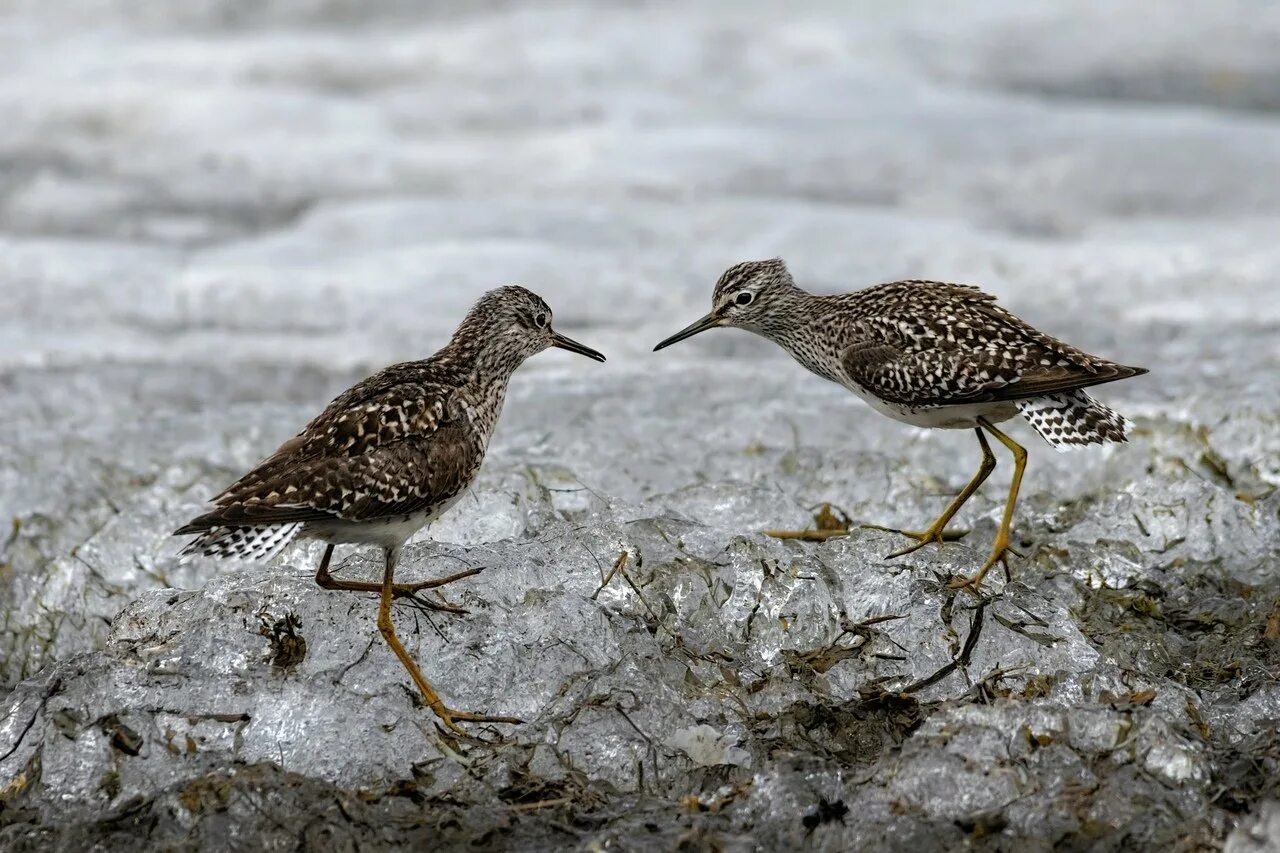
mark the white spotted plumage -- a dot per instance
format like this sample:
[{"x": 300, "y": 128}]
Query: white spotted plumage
[
  {"x": 243, "y": 543},
  {"x": 391, "y": 453},
  {"x": 384, "y": 459},
  {"x": 1074, "y": 420},
  {"x": 934, "y": 355},
  {"x": 928, "y": 353}
]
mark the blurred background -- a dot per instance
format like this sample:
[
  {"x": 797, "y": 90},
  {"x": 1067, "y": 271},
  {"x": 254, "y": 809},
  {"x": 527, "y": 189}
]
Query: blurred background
[{"x": 214, "y": 216}]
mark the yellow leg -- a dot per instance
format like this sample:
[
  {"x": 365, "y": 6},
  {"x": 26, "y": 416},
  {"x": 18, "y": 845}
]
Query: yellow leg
[
  {"x": 401, "y": 590},
  {"x": 1001, "y": 550},
  {"x": 937, "y": 531},
  {"x": 449, "y": 717}
]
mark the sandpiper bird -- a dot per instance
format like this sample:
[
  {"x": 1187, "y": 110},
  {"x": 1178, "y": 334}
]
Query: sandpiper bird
[
  {"x": 929, "y": 354},
  {"x": 387, "y": 457}
]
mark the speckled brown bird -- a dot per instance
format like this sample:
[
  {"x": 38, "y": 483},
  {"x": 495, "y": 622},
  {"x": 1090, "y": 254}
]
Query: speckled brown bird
[
  {"x": 385, "y": 458},
  {"x": 929, "y": 354}
]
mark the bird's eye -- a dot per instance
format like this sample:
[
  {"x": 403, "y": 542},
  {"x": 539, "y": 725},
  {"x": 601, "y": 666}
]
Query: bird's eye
[
  {"x": 540, "y": 320},
  {"x": 744, "y": 298}
]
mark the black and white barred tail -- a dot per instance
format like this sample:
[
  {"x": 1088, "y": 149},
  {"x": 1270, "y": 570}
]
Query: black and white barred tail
[
  {"x": 1073, "y": 419},
  {"x": 243, "y": 543}
]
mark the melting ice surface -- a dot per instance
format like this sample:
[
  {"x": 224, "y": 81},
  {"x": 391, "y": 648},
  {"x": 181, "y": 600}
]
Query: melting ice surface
[{"x": 216, "y": 216}]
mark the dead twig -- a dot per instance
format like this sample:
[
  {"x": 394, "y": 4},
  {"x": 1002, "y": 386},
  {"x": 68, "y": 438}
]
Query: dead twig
[{"x": 970, "y": 642}]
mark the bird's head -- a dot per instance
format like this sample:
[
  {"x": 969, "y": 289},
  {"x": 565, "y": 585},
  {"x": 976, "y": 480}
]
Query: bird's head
[
  {"x": 746, "y": 295},
  {"x": 516, "y": 323}
]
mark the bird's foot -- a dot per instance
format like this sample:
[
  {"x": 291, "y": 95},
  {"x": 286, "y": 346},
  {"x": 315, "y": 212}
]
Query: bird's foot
[
  {"x": 432, "y": 584},
  {"x": 410, "y": 591},
  {"x": 411, "y": 598},
  {"x": 451, "y": 718},
  {"x": 400, "y": 590},
  {"x": 935, "y": 533},
  {"x": 999, "y": 554}
]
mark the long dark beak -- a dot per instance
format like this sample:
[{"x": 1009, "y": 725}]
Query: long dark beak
[
  {"x": 708, "y": 322},
  {"x": 560, "y": 341}
]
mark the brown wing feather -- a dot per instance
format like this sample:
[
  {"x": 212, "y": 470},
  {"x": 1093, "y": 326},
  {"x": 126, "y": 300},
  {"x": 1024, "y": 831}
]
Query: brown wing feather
[
  {"x": 1036, "y": 385},
  {"x": 935, "y": 344},
  {"x": 397, "y": 479},
  {"x": 386, "y": 447},
  {"x": 402, "y": 400}
]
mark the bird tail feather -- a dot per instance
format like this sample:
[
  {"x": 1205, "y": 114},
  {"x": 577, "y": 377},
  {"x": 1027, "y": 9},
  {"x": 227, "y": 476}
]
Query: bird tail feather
[
  {"x": 243, "y": 543},
  {"x": 1073, "y": 419}
]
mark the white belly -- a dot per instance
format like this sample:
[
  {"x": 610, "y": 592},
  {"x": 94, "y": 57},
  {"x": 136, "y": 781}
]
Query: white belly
[
  {"x": 964, "y": 416},
  {"x": 390, "y": 532}
]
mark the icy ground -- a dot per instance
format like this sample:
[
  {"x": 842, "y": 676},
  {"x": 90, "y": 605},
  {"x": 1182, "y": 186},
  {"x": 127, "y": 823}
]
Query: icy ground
[{"x": 216, "y": 215}]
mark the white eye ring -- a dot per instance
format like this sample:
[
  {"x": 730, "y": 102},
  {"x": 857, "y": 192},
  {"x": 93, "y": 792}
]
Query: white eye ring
[
  {"x": 744, "y": 298},
  {"x": 540, "y": 320}
]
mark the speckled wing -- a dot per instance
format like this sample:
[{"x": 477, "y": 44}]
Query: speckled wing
[
  {"x": 937, "y": 344},
  {"x": 393, "y": 480},
  {"x": 387, "y": 447}
]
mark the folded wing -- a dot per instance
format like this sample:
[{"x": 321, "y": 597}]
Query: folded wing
[
  {"x": 388, "y": 447},
  {"x": 959, "y": 347}
]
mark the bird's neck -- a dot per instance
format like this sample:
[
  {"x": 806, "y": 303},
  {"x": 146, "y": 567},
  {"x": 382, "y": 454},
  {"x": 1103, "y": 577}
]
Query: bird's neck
[
  {"x": 497, "y": 363},
  {"x": 789, "y": 310},
  {"x": 791, "y": 325},
  {"x": 483, "y": 355},
  {"x": 483, "y": 367},
  {"x": 479, "y": 376}
]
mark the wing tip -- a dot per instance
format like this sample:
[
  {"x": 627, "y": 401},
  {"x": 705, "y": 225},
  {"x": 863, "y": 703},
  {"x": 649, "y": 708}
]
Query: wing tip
[{"x": 199, "y": 524}]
